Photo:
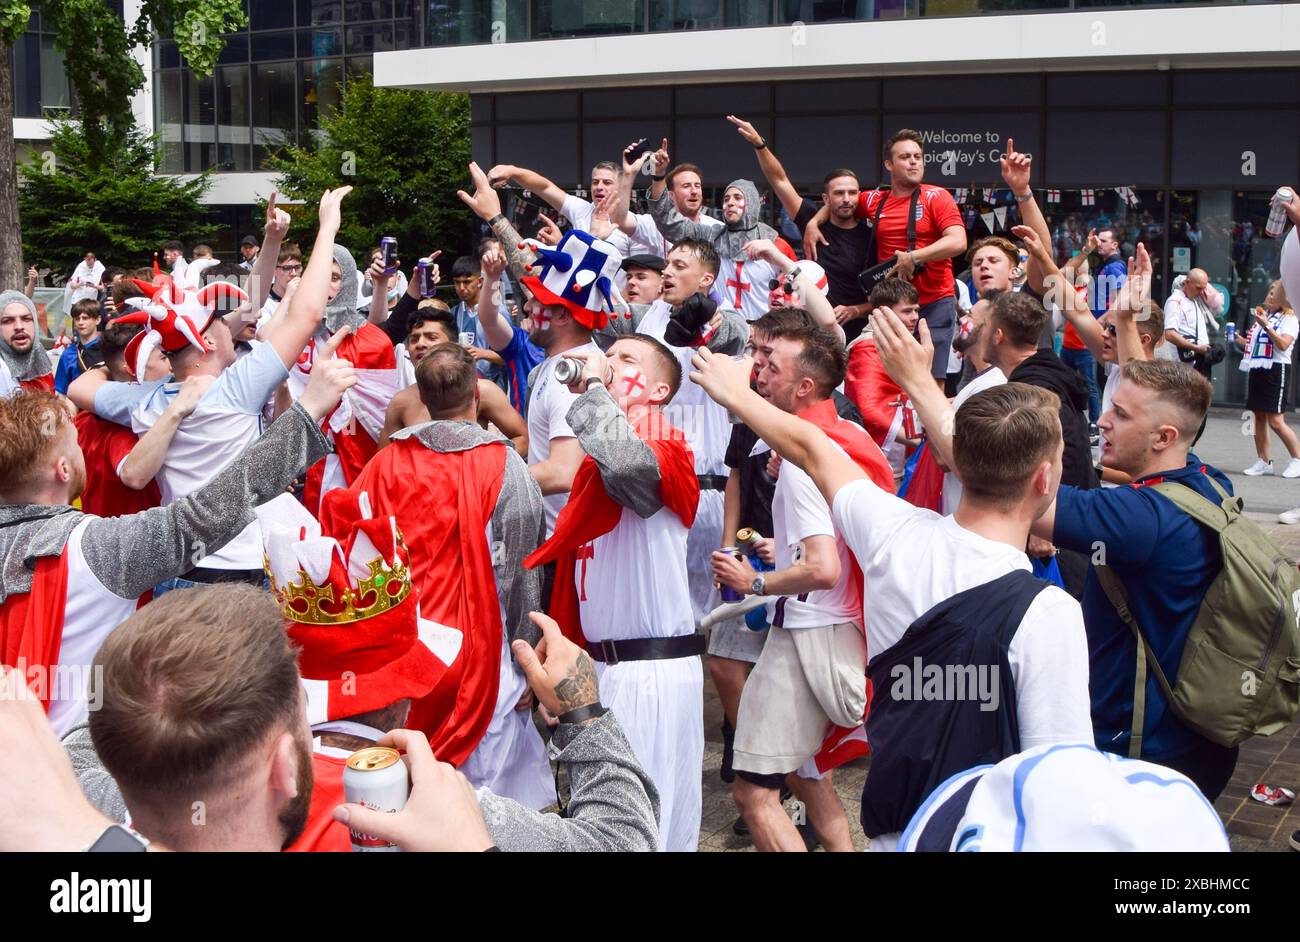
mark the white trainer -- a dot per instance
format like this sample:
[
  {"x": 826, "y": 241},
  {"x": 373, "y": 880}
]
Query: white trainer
[
  {"x": 1291, "y": 516},
  {"x": 1292, "y": 469},
  {"x": 1259, "y": 467}
]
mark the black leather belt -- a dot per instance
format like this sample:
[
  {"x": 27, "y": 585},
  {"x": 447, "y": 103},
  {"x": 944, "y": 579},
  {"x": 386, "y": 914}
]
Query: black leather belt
[
  {"x": 712, "y": 482},
  {"x": 647, "y": 649},
  {"x": 206, "y": 576}
]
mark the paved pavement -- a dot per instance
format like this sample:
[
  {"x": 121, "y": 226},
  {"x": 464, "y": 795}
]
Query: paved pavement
[{"x": 1274, "y": 759}]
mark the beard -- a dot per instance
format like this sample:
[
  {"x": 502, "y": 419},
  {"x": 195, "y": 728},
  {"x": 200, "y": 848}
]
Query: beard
[
  {"x": 293, "y": 816},
  {"x": 965, "y": 343}
]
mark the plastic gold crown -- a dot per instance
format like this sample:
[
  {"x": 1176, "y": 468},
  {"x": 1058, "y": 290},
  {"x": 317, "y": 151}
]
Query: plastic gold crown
[{"x": 307, "y": 603}]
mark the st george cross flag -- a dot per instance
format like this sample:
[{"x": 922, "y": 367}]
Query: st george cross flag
[{"x": 1089, "y": 197}]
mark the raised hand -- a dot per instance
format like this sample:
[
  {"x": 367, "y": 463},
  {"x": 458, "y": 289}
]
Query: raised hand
[
  {"x": 632, "y": 157},
  {"x": 550, "y": 233},
  {"x": 331, "y": 211},
  {"x": 499, "y": 176},
  {"x": 485, "y": 202},
  {"x": 601, "y": 226},
  {"x": 746, "y": 130},
  {"x": 661, "y": 159},
  {"x": 1033, "y": 245},
  {"x": 494, "y": 264},
  {"x": 1091, "y": 244},
  {"x": 277, "y": 220},
  {"x": 1015, "y": 168}
]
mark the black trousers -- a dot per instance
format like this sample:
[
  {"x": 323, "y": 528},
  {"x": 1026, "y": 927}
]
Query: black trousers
[{"x": 1209, "y": 767}]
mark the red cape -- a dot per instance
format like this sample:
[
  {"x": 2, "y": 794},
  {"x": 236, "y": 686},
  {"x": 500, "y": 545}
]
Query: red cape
[
  {"x": 870, "y": 388},
  {"x": 443, "y": 503},
  {"x": 31, "y": 625},
  {"x": 591, "y": 513},
  {"x": 844, "y": 744},
  {"x": 105, "y": 444}
]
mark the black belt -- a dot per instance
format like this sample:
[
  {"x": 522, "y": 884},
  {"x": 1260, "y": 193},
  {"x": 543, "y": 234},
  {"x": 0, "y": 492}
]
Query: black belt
[
  {"x": 647, "y": 649},
  {"x": 712, "y": 482},
  {"x": 221, "y": 576}
]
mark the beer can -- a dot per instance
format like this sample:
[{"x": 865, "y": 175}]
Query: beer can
[
  {"x": 746, "y": 540},
  {"x": 1276, "y": 223},
  {"x": 377, "y": 778},
  {"x": 1230, "y": 331},
  {"x": 729, "y": 594},
  {"x": 388, "y": 249},
  {"x": 567, "y": 370},
  {"x": 428, "y": 288}
]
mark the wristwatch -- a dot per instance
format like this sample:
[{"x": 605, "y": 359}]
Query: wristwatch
[
  {"x": 593, "y": 379},
  {"x": 758, "y": 586},
  {"x": 1024, "y": 199},
  {"x": 658, "y": 176}
]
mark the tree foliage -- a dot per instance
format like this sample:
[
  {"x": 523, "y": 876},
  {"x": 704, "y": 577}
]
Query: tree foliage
[
  {"x": 405, "y": 153},
  {"x": 73, "y": 201},
  {"x": 97, "y": 47}
]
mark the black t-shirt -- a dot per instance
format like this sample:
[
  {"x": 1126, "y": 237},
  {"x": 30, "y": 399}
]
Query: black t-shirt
[
  {"x": 756, "y": 488},
  {"x": 844, "y": 256}
]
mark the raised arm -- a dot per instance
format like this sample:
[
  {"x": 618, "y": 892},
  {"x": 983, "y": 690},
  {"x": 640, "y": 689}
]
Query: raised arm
[
  {"x": 502, "y": 174},
  {"x": 726, "y": 380},
  {"x": 486, "y": 204},
  {"x": 809, "y": 295},
  {"x": 1058, "y": 289},
  {"x": 1133, "y": 299},
  {"x": 672, "y": 224},
  {"x": 263, "y": 273},
  {"x": 1016, "y": 168},
  {"x": 771, "y": 167},
  {"x": 308, "y": 303}
]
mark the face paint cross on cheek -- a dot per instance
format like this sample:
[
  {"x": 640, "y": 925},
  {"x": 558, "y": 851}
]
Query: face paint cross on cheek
[
  {"x": 542, "y": 320},
  {"x": 633, "y": 381}
]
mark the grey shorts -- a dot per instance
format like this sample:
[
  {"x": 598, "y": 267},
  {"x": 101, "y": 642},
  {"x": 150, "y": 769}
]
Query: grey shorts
[
  {"x": 731, "y": 639},
  {"x": 806, "y": 680},
  {"x": 941, "y": 317}
]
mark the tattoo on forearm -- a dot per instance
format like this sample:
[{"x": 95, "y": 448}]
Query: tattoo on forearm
[{"x": 578, "y": 687}]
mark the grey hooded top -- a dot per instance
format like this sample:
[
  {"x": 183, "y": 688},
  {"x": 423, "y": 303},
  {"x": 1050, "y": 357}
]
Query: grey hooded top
[
  {"x": 342, "y": 311},
  {"x": 35, "y": 362},
  {"x": 727, "y": 239}
]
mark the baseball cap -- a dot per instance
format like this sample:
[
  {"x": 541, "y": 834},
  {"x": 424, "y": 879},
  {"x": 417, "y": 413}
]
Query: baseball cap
[{"x": 653, "y": 262}]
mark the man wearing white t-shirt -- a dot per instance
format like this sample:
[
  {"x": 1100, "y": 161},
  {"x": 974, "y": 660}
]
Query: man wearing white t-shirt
[
  {"x": 1193, "y": 305},
  {"x": 811, "y": 674},
  {"x": 1023, "y": 641},
  {"x": 229, "y": 416}
]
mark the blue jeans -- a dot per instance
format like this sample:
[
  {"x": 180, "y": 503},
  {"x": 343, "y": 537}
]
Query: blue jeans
[
  {"x": 170, "y": 585},
  {"x": 1081, "y": 362}
]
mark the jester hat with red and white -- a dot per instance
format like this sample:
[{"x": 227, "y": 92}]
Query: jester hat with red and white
[{"x": 173, "y": 317}]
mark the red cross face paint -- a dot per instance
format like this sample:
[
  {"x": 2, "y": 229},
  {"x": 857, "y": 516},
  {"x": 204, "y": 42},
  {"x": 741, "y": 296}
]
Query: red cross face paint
[{"x": 632, "y": 383}]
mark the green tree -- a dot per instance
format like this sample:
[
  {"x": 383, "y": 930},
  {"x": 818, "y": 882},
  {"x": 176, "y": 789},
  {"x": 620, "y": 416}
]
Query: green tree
[
  {"x": 74, "y": 201},
  {"x": 97, "y": 47},
  {"x": 405, "y": 154}
]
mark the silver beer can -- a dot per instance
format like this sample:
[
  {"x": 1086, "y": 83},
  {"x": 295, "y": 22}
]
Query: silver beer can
[{"x": 377, "y": 778}]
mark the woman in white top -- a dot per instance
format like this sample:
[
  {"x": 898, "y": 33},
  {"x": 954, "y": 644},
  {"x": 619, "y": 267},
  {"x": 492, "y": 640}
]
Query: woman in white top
[{"x": 1267, "y": 360}]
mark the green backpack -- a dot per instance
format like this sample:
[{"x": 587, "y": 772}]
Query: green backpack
[{"x": 1240, "y": 671}]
